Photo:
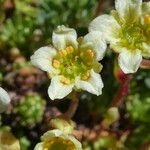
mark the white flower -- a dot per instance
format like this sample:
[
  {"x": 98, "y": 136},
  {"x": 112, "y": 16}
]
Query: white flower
[
  {"x": 56, "y": 139},
  {"x": 72, "y": 63},
  {"x": 4, "y": 100},
  {"x": 127, "y": 30}
]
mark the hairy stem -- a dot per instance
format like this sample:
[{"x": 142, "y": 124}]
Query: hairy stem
[
  {"x": 122, "y": 91},
  {"x": 73, "y": 106},
  {"x": 124, "y": 85}
]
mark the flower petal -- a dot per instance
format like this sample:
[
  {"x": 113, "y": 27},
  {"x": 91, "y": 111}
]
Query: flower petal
[
  {"x": 94, "y": 85},
  {"x": 130, "y": 61},
  {"x": 42, "y": 58},
  {"x": 58, "y": 90},
  {"x": 107, "y": 25},
  {"x": 128, "y": 9},
  {"x": 39, "y": 146},
  {"x": 4, "y": 100},
  {"x": 95, "y": 41},
  {"x": 49, "y": 135},
  {"x": 63, "y": 37}
]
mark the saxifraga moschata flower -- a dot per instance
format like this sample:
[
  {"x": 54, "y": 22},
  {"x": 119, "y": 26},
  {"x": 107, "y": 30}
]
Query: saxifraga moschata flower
[
  {"x": 127, "y": 30},
  {"x": 72, "y": 64},
  {"x": 57, "y": 140}
]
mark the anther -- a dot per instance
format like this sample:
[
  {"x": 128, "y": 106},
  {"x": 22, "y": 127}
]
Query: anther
[
  {"x": 86, "y": 76},
  {"x": 56, "y": 63},
  {"x": 65, "y": 80},
  {"x": 69, "y": 49},
  {"x": 63, "y": 53},
  {"x": 90, "y": 53}
]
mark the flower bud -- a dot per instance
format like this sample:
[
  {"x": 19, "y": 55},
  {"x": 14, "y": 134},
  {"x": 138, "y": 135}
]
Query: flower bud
[
  {"x": 8, "y": 141},
  {"x": 30, "y": 109},
  {"x": 112, "y": 115},
  {"x": 66, "y": 126},
  {"x": 57, "y": 140}
]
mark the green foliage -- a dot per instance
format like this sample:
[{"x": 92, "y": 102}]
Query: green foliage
[
  {"x": 24, "y": 143},
  {"x": 142, "y": 78},
  {"x": 30, "y": 109},
  {"x": 31, "y": 19},
  {"x": 17, "y": 32},
  {"x": 108, "y": 142},
  {"x": 138, "y": 137},
  {"x": 105, "y": 142},
  {"x": 74, "y": 13},
  {"x": 138, "y": 107},
  {"x": 26, "y": 7}
]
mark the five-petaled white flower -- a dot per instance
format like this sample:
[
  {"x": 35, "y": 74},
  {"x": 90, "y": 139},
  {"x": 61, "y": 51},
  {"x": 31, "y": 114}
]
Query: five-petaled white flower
[
  {"x": 127, "y": 30},
  {"x": 72, "y": 63},
  {"x": 4, "y": 100},
  {"x": 56, "y": 139}
]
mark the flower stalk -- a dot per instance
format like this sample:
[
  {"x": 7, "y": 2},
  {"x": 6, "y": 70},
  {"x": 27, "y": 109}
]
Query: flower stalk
[
  {"x": 122, "y": 91},
  {"x": 73, "y": 106},
  {"x": 124, "y": 80}
]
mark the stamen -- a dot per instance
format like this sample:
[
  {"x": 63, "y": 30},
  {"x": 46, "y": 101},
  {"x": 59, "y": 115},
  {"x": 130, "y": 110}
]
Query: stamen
[
  {"x": 69, "y": 49},
  {"x": 86, "y": 76},
  {"x": 90, "y": 53},
  {"x": 65, "y": 80},
  {"x": 56, "y": 63},
  {"x": 147, "y": 19},
  {"x": 71, "y": 63},
  {"x": 63, "y": 53}
]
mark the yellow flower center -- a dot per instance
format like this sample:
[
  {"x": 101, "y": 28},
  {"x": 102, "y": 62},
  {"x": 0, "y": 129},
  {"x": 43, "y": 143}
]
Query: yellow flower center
[
  {"x": 58, "y": 143},
  {"x": 134, "y": 35},
  {"x": 86, "y": 76},
  {"x": 73, "y": 63},
  {"x": 56, "y": 63},
  {"x": 65, "y": 80}
]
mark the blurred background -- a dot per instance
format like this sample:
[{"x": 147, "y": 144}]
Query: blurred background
[{"x": 25, "y": 26}]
